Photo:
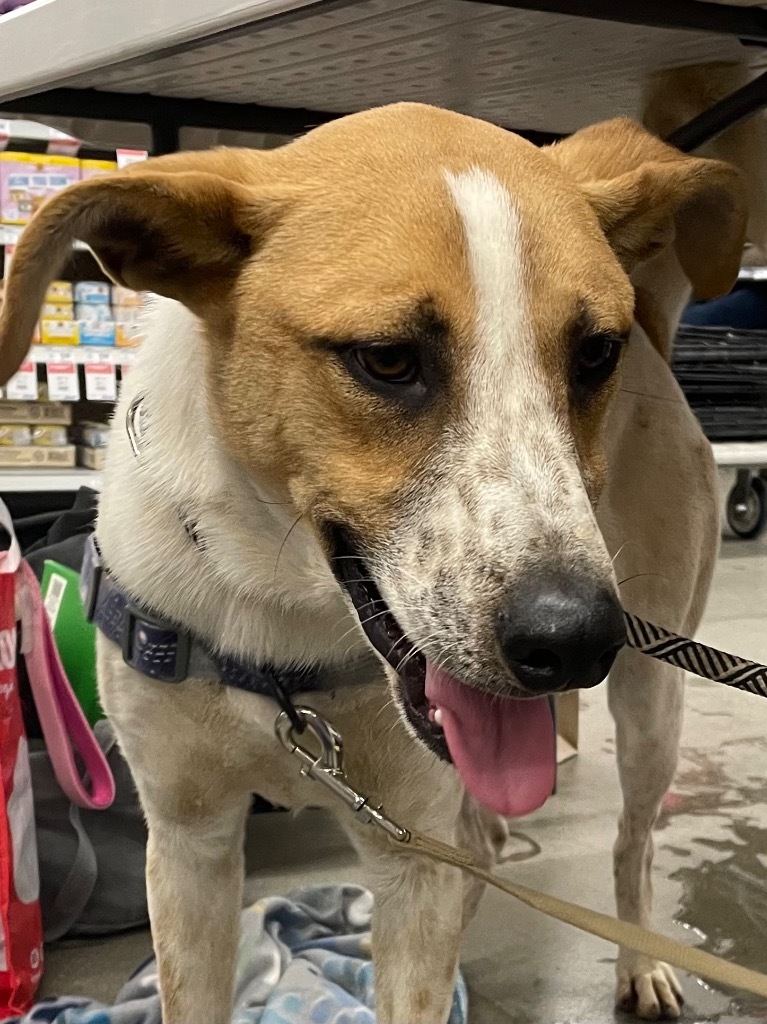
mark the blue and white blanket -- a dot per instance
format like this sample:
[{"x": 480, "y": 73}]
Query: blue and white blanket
[{"x": 302, "y": 960}]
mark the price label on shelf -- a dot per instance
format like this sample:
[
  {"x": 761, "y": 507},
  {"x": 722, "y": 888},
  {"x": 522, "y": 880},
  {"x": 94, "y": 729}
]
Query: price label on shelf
[
  {"x": 100, "y": 382},
  {"x": 22, "y": 387},
  {"x": 63, "y": 382}
]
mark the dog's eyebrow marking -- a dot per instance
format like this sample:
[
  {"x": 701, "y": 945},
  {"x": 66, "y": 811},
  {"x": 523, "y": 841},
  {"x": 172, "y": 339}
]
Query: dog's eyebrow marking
[{"x": 421, "y": 324}]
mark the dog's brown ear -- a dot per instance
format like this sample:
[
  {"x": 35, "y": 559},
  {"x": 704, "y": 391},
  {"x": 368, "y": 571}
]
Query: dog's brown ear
[
  {"x": 648, "y": 195},
  {"x": 166, "y": 229}
]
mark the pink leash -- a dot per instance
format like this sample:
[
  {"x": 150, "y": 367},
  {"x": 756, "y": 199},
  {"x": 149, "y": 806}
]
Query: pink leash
[{"x": 65, "y": 728}]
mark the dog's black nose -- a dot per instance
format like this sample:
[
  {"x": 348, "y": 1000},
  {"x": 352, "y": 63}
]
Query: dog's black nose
[{"x": 558, "y": 631}]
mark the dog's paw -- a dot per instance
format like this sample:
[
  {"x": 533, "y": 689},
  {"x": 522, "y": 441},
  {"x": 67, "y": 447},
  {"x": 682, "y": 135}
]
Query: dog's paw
[{"x": 648, "y": 989}]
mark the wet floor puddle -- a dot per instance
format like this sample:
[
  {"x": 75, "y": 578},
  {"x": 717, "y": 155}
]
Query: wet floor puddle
[{"x": 723, "y": 889}]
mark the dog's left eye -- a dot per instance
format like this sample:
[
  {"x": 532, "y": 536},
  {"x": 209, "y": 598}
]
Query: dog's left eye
[
  {"x": 389, "y": 364},
  {"x": 596, "y": 359}
]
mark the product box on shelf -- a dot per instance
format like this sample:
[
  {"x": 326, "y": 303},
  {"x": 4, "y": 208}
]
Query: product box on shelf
[
  {"x": 128, "y": 315},
  {"x": 44, "y": 458},
  {"x": 44, "y": 436},
  {"x": 93, "y": 312},
  {"x": 15, "y": 435},
  {"x": 91, "y": 458},
  {"x": 96, "y": 168},
  {"x": 57, "y": 311},
  {"x": 102, "y": 334},
  {"x": 54, "y": 413},
  {"x": 128, "y": 335},
  {"x": 92, "y": 434},
  {"x": 125, "y": 297},
  {"x": 92, "y": 291},
  {"x": 59, "y": 291},
  {"x": 59, "y": 332},
  {"x": 28, "y": 179}
]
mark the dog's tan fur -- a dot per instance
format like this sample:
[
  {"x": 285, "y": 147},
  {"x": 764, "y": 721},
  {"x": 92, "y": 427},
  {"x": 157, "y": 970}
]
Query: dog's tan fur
[{"x": 254, "y": 429}]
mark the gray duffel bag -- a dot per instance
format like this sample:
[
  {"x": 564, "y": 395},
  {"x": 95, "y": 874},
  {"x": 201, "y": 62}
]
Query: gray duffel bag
[{"x": 92, "y": 863}]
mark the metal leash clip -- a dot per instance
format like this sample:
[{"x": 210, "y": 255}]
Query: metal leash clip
[{"x": 328, "y": 767}]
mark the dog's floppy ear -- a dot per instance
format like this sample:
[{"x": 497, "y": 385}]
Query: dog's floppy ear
[
  {"x": 648, "y": 195},
  {"x": 161, "y": 227}
]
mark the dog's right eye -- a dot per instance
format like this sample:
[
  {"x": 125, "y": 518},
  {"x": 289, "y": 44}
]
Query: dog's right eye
[{"x": 389, "y": 364}]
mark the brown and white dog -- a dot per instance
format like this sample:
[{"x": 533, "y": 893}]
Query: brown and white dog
[{"x": 397, "y": 368}]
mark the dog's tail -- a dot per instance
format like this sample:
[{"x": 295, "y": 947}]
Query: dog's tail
[{"x": 671, "y": 99}]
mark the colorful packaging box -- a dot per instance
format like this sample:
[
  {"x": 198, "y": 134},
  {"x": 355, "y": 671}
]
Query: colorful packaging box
[
  {"x": 97, "y": 333},
  {"x": 128, "y": 335},
  {"x": 28, "y": 179},
  {"x": 59, "y": 291},
  {"x": 92, "y": 292},
  {"x": 57, "y": 311},
  {"x": 59, "y": 332},
  {"x": 126, "y": 297},
  {"x": 93, "y": 312}
]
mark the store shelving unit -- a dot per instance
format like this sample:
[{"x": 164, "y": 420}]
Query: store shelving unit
[
  {"x": 24, "y": 481},
  {"x": 541, "y": 67}
]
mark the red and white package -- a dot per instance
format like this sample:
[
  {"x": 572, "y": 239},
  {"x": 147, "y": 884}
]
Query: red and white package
[{"x": 21, "y": 933}]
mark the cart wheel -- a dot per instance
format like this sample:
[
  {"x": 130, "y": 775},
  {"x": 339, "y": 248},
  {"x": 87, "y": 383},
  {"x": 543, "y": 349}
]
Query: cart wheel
[{"x": 747, "y": 509}]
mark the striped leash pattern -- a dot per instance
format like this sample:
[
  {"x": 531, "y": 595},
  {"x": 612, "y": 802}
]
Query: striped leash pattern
[{"x": 701, "y": 660}]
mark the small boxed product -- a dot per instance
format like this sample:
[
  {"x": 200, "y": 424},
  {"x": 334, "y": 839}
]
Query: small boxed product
[
  {"x": 93, "y": 312},
  {"x": 49, "y": 436},
  {"x": 92, "y": 291},
  {"x": 91, "y": 458},
  {"x": 57, "y": 311},
  {"x": 128, "y": 315},
  {"x": 59, "y": 291},
  {"x": 97, "y": 333},
  {"x": 28, "y": 179},
  {"x": 96, "y": 168},
  {"x": 59, "y": 332},
  {"x": 128, "y": 335},
  {"x": 15, "y": 435},
  {"x": 126, "y": 297},
  {"x": 45, "y": 458},
  {"x": 92, "y": 434},
  {"x": 56, "y": 413}
]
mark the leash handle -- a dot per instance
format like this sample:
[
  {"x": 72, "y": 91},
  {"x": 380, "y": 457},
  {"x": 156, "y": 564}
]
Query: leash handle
[{"x": 695, "y": 657}]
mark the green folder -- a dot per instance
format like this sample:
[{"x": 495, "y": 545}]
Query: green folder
[{"x": 75, "y": 636}]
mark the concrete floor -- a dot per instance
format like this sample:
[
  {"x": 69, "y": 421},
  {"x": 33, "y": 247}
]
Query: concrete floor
[{"x": 710, "y": 871}]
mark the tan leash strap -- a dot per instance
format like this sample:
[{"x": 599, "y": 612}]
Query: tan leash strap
[{"x": 631, "y": 936}]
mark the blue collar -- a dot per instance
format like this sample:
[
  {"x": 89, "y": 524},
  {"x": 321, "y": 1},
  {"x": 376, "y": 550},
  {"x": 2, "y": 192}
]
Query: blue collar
[{"x": 167, "y": 652}]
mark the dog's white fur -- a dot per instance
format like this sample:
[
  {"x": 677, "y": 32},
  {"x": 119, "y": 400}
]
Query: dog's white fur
[{"x": 260, "y": 586}]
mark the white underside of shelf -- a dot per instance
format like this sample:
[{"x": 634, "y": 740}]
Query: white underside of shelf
[
  {"x": 36, "y": 480},
  {"x": 741, "y": 453},
  {"x": 523, "y": 69},
  {"x": 68, "y": 37}
]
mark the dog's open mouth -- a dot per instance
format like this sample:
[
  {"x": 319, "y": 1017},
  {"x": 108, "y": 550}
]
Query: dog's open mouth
[{"x": 503, "y": 748}]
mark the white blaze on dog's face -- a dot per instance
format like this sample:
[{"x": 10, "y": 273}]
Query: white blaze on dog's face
[{"x": 415, "y": 322}]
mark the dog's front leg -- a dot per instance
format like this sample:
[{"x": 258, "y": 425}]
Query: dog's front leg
[
  {"x": 417, "y": 924},
  {"x": 195, "y": 878},
  {"x": 189, "y": 771}
]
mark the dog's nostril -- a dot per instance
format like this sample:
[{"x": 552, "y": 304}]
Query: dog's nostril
[{"x": 540, "y": 661}]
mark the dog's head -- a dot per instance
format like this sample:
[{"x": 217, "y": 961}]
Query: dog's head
[{"x": 415, "y": 323}]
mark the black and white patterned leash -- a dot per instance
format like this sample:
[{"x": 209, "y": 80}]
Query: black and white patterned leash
[{"x": 701, "y": 660}]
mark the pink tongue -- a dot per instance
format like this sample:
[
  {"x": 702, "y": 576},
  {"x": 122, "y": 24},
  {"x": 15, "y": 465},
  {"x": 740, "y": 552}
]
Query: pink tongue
[{"x": 504, "y": 749}]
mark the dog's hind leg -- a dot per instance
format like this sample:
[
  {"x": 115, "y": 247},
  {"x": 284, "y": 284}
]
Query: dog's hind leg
[{"x": 659, "y": 515}]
